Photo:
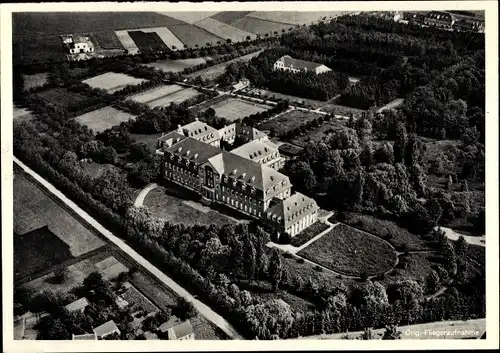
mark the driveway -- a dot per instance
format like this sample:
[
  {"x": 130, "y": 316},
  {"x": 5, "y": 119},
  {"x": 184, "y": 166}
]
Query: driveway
[
  {"x": 452, "y": 235},
  {"x": 139, "y": 201}
]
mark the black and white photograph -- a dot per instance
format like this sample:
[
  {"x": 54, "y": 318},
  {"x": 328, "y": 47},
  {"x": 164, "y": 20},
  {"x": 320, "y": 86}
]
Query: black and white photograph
[{"x": 236, "y": 172}]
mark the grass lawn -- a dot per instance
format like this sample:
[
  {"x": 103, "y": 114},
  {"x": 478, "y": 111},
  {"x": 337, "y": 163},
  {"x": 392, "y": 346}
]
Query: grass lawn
[
  {"x": 306, "y": 270},
  {"x": 175, "y": 210},
  {"x": 104, "y": 118},
  {"x": 401, "y": 239},
  {"x": 288, "y": 121},
  {"x": 418, "y": 266},
  {"x": 309, "y": 233},
  {"x": 233, "y": 109},
  {"x": 294, "y": 100},
  {"x": 176, "y": 97},
  {"x": 155, "y": 93},
  {"x": 351, "y": 252},
  {"x": 34, "y": 209},
  {"x": 341, "y": 110},
  {"x": 112, "y": 82}
]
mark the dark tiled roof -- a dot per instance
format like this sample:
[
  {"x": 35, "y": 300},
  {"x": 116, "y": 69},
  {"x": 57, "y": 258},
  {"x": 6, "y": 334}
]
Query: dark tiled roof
[
  {"x": 299, "y": 64},
  {"x": 440, "y": 15},
  {"x": 252, "y": 173},
  {"x": 196, "y": 151},
  {"x": 181, "y": 330},
  {"x": 292, "y": 208},
  {"x": 106, "y": 328}
]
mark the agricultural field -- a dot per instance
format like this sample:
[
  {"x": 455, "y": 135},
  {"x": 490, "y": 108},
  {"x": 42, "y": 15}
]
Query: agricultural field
[
  {"x": 193, "y": 36},
  {"x": 61, "y": 98},
  {"x": 40, "y": 23},
  {"x": 189, "y": 16},
  {"x": 148, "y": 285},
  {"x": 349, "y": 251},
  {"x": 35, "y": 80},
  {"x": 148, "y": 42},
  {"x": 261, "y": 27},
  {"x": 288, "y": 121},
  {"x": 33, "y": 209},
  {"x": 233, "y": 109},
  {"x": 127, "y": 42},
  {"x": 32, "y": 49},
  {"x": 177, "y": 210},
  {"x": 297, "y": 17},
  {"x": 229, "y": 17},
  {"x": 104, "y": 118},
  {"x": 224, "y": 31},
  {"x": 317, "y": 134},
  {"x": 75, "y": 274},
  {"x": 155, "y": 93},
  {"x": 166, "y": 36},
  {"x": 112, "y": 82},
  {"x": 176, "y": 65},
  {"x": 106, "y": 40},
  {"x": 212, "y": 72}
]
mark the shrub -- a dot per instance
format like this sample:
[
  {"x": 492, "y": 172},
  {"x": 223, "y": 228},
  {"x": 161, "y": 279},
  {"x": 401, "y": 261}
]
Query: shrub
[
  {"x": 318, "y": 268},
  {"x": 364, "y": 276},
  {"x": 300, "y": 260}
]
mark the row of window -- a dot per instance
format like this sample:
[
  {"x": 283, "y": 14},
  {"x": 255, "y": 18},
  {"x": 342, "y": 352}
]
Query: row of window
[
  {"x": 241, "y": 206},
  {"x": 302, "y": 224},
  {"x": 180, "y": 170}
]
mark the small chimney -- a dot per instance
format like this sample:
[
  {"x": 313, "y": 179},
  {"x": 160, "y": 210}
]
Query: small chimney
[
  {"x": 196, "y": 119},
  {"x": 179, "y": 149},
  {"x": 195, "y": 155}
]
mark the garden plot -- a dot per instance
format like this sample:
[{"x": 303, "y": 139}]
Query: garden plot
[
  {"x": 112, "y": 82},
  {"x": 104, "y": 118},
  {"x": 225, "y": 31},
  {"x": 110, "y": 268},
  {"x": 233, "y": 109},
  {"x": 155, "y": 93}
]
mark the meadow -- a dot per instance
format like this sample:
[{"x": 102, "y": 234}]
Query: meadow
[
  {"x": 233, "y": 109},
  {"x": 104, "y": 118},
  {"x": 112, "y": 82},
  {"x": 288, "y": 121},
  {"x": 224, "y": 31}
]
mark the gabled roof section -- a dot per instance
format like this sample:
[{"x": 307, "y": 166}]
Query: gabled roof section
[
  {"x": 193, "y": 150},
  {"x": 180, "y": 330},
  {"x": 299, "y": 64},
  {"x": 77, "y": 305},
  {"x": 199, "y": 130},
  {"x": 287, "y": 211},
  {"x": 106, "y": 328},
  {"x": 256, "y": 150},
  {"x": 252, "y": 173}
]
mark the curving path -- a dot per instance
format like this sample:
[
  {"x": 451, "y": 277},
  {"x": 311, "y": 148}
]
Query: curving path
[
  {"x": 139, "y": 200},
  {"x": 208, "y": 313}
]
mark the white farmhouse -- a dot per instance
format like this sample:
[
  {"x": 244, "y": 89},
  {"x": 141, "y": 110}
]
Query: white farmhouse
[{"x": 287, "y": 63}]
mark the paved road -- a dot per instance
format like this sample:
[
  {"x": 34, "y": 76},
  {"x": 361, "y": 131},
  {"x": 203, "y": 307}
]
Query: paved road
[
  {"x": 452, "y": 235},
  {"x": 139, "y": 200},
  {"x": 208, "y": 313}
]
